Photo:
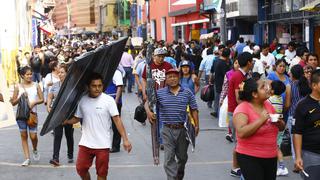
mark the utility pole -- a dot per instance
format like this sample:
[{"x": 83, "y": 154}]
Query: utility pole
[{"x": 223, "y": 30}]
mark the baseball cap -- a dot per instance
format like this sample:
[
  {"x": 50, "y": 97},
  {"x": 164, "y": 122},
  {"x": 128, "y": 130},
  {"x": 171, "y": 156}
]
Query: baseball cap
[
  {"x": 185, "y": 63},
  {"x": 172, "y": 71},
  {"x": 160, "y": 51}
]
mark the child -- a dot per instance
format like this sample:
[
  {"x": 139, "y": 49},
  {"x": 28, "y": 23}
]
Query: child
[{"x": 277, "y": 88}]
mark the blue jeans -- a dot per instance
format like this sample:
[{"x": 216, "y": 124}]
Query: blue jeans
[
  {"x": 289, "y": 124},
  {"x": 36, "y": 77},
  {"x": 128, "y": 77}
]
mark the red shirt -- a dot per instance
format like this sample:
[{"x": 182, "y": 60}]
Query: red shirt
[
  {"x": 158, "y": 73},
  {"x": 302, "y": 63},
  {"x": 263, "y": 143},
  {"x": 236, "y": 79}
]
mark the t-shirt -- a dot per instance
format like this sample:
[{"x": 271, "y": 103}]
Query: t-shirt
[
  {"x": 290, "y": 55},
  {"x": 158, "y": 73},
  {"x": 277, "y": 103},
  {"x": 96, "y": 114},
  {"x": 221, "y": 67},
  {"x": 269, "y": 60},
  {"x": 273, "y": 77},
  {"x": 263, "y": 143},
  {"x": 234, "y": 82},
  {"x": 307, "y": 123},
  {"x": 258, "y": 66}
]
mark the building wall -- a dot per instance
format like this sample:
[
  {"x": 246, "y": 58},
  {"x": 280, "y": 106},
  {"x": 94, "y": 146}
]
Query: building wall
[
  {"x": 158, "y": 10},
  {"x": 80, "y": 14}
]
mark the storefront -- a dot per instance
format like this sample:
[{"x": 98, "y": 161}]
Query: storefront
[{"x": 187, "y": 23}]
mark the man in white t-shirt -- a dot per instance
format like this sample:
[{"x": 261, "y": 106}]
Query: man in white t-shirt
[
  {"x": 290, "y": 53},
  {"x": 267, "y": 58},
  {"x": 96, "y": 110}
]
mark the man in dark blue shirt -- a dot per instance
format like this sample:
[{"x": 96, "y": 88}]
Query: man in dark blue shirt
[{"x": 172, "y": 102}]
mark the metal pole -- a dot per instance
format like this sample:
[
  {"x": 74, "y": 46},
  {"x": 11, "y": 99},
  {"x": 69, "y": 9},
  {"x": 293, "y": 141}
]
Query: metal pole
[{"x": 223, "y": 22}]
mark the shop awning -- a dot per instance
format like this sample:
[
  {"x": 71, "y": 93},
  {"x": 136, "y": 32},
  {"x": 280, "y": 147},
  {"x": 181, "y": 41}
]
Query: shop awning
[
  {"x": 313, "y": 6},
  {"x": 190, "y": 22}
]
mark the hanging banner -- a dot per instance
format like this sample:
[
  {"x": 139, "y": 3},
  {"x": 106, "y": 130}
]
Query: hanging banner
[
  {"x": 212, "y": 4},
  {"x": 34, "y": 41}
]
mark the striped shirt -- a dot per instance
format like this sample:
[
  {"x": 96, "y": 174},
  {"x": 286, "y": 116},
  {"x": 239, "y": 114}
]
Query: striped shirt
[
  {"x": 173, "y": 108},
  {"x": 295, "y": 97},
  {"x": 277, "y": 103}
]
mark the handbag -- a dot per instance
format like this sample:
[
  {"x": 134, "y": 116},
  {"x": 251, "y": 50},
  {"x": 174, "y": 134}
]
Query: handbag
[
  {"x": 286, "y": 143},
  {"x": 23, "y": 110},
  {"x": 33, "y": 119},
  {"x": 207, "y": 93}
]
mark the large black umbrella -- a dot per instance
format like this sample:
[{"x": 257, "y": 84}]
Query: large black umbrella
[{"x": 104, "y": 60}]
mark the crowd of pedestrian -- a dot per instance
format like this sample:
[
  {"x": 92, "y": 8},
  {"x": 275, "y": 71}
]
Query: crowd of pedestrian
[{"x": 267, "y": 90}]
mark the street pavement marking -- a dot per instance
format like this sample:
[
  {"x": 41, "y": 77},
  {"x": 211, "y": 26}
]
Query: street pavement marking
[{"x": 116, "y": 166}]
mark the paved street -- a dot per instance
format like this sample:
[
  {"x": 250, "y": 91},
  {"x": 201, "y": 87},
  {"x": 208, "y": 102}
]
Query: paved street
[{"x": 211, "y": 159}]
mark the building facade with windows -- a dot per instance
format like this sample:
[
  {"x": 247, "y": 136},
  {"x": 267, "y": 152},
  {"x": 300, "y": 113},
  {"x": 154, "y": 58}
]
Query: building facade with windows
[{"x": 286, "y": 21}]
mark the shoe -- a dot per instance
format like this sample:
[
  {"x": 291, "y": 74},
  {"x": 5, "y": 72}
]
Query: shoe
[
  {"x": 283, "y": 171},
  {"x": 214, "y": 114},
  {"x": 161, "y": 147},
  {"x": 36, "y": 155},
  {"x": 229, "y": 137},
  {"x": 114, "y": 150},
  {"x": 26, "y": 162},
  {"x": 54, "y": 162},
  {"x": 235, "y": 172},
  {"x": 70, "y": 160}
]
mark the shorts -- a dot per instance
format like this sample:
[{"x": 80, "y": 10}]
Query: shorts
[
  {"x": 23, "y": 126},
  {"x": 85, "y": 158},
  {"x": 280, "y": 138}
]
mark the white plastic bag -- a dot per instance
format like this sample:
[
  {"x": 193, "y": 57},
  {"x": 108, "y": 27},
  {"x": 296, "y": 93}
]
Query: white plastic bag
[
  {"x": 3, "y": 112},
  {"x": 223, "y": 114}
]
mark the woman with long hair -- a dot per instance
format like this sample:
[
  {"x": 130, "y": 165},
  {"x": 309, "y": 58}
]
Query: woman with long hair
[
  {"x": 280, "y": 75},
  {"x": 50, "y": 79},
  {"x": 299, "y": 89},
  {"x": 58, "y": 131},
  {"x": 33, "y": 92},
  {"x": 256, "y": 132}
]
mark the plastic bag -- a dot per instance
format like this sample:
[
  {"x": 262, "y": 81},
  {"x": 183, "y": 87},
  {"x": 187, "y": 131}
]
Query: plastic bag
[
  {"x": 23, "y": 110},
  {"x": 223, "y": 114},
  {"x": 140, "y": 113},
  {"x": 207, "y": 93}
]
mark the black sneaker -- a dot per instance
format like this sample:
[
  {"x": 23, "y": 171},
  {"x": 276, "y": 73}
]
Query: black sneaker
[
  {"x": 54, "y": 162},
  {"x": 214, "y": 114},
  {"x": 229, "y": 137},
  {"x": 161, "y": 147},
  {"x": 70, "y": 160},
  {"x": 235, "y": 172},
  {"x": 114, "y": 150}
]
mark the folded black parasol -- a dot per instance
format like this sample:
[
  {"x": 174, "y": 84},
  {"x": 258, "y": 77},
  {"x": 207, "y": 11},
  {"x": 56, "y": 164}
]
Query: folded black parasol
[{"x": 104, "y": 60}]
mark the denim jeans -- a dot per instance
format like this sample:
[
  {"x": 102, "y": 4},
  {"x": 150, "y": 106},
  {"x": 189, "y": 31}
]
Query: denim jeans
[{"x": 128, "y": 77}]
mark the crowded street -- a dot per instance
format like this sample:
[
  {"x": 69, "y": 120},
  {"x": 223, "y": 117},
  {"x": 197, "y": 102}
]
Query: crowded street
[{"x": 211, "y": 159}]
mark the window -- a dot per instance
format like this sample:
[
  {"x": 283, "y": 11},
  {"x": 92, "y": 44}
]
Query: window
[
  {"x": 232, "y": 7},
  {"x": 286, "y": 5},
  {"x": 297, "y": 4}
]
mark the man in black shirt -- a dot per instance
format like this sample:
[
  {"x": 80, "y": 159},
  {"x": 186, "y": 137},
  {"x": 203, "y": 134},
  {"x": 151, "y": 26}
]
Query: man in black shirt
[
  {"x": 220, "y": 67},
  {"x": 306, "y": 131}
]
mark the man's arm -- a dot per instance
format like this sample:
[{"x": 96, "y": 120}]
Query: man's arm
[
  {"x": 118, "y": 94},
  {"x": 126, "y": 144},
  {"x": 297, "y": 143},
  {"x": 73, "y": 120},
  {"x": 195, "y": 116}
]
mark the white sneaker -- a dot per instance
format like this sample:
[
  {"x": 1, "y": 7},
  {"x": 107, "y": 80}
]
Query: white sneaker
[
  {"x": 282, "y": 171},
  {"x": 36, "y": 155},
  {"x": 26, "y": 162}
]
